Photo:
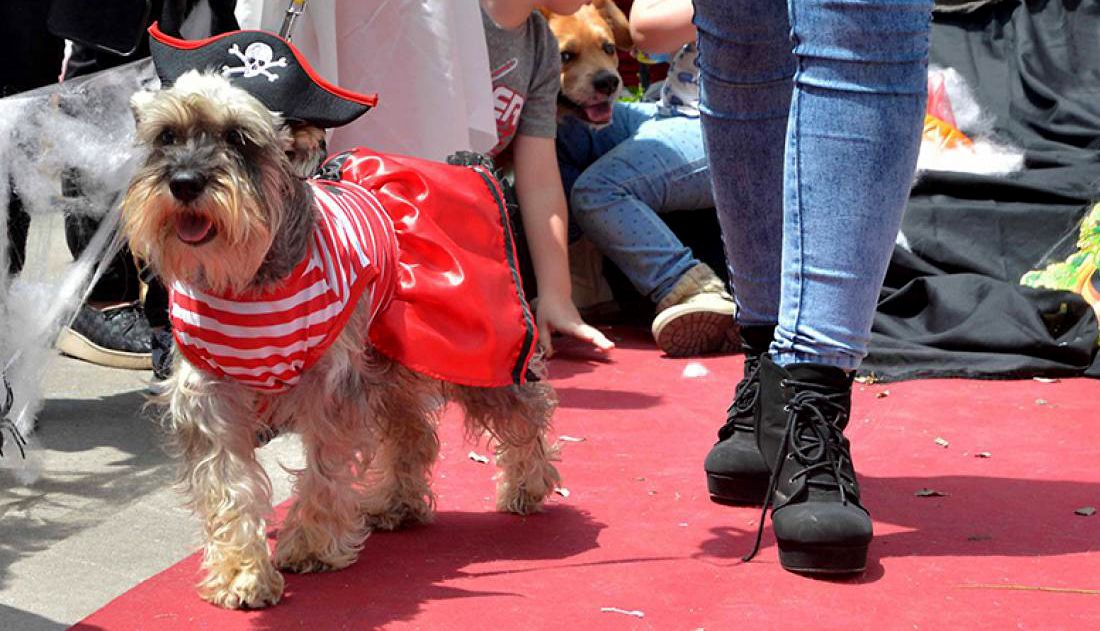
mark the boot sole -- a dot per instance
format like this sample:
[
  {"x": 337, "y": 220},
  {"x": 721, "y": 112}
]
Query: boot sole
[
  {"x": 689, "y": 330},
  {"x": 733, "y": 491},
  {"x": 803, "y": 559}
]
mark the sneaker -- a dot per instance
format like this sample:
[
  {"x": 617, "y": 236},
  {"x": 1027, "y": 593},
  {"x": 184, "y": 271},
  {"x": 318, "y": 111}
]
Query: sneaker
[
  {"x": 117, "y": 337},
  {"x": 696, "y": 317}
]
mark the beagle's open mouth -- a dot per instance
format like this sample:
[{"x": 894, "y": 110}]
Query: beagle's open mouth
[{"x": 596, "y": 113}]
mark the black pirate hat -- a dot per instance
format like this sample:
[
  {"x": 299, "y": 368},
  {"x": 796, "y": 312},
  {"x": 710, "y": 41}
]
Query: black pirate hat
[{"x": 267, "y": 67}]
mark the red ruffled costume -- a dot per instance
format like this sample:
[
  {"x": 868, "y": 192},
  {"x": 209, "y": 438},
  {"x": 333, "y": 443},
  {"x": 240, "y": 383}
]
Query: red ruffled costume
[
  {"x": 427, "y": 244},
  {"x": 458, "y": 311}
]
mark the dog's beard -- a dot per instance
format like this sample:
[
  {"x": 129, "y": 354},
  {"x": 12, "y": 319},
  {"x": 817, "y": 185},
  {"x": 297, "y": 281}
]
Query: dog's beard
[{"x": 221, "y": 257}]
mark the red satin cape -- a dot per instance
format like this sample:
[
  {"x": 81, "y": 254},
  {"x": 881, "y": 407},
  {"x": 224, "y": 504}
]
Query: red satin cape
[{"x": 458, "y": 312}]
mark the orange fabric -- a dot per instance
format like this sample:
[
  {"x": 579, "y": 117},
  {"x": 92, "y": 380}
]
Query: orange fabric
[
  {"x": 458, "y": 312},
  {"x": 943, "y": 133}
]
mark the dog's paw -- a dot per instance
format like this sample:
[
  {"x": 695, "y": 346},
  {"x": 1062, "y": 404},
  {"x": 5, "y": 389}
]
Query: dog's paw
[
  {"x": 418, "y": 511},
  {"x": 306, "y": 565},
  {"x": 311, "y": 563},
  {"x": 293, "y": 553},
  {"x": 520, "y": 501},
  {"x": 525, "y": 495},
  {"x": 254, "y": 588}
]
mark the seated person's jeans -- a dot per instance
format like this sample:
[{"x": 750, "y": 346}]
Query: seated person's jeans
[{"x": 618, "y": 178}]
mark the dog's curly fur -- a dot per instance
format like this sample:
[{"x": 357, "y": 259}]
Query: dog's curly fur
[{"x": 368, "y": 425}]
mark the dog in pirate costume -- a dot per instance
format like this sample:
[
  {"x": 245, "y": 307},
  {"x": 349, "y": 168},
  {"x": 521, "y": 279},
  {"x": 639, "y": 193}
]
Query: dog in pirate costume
[{"x": 348, "y": 307}]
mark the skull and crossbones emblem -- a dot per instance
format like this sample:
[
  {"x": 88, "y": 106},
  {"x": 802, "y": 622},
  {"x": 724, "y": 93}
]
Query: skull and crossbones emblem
[{"x": 256, "y": 60}]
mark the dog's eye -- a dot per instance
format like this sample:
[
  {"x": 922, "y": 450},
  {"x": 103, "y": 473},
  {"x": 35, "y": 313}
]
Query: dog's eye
[
  {"x": 167, "y": 137},
  {"x": 567, "y": 56},
  {"x": 234, "y": 137},
  {"x": 609, "y": 48}
]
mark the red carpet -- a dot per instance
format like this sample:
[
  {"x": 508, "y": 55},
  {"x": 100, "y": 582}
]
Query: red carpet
[{"x": 1003, "y": 548}]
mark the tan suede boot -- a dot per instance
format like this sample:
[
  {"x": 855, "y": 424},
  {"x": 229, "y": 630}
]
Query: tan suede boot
[{"x": 696, "y": 317}]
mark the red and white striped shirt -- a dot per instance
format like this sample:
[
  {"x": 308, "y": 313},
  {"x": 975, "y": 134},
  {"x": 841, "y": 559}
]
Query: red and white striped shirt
[{"x": 266, "y": 341}]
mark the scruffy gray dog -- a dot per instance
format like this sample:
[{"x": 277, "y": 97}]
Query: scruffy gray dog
[{"x": 219, "y": 207}]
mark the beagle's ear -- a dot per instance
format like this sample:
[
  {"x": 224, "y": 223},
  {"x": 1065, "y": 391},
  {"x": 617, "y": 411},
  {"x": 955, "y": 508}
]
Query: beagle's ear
[
  {"x": 616, "y": 19},
  {"x": 545, "y": 12}
]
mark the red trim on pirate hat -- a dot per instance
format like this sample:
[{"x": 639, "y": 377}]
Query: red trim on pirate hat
[{"x": 267, "y": 67}]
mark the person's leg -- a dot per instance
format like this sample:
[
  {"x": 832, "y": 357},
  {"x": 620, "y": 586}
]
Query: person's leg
[
  {"x": 580, "y": 144},
  {"x": 852, "y": 144},
  {"x": 851, "y": 148},
  {"x": 661, "y": 168},
  {"x": 616, "y": 200},
  {"x": 746, "y": 65},
  {"x": 848, "y": 158},
  {"x": 119, "y": 282},
  {"x": 854, "y": 135},
  {"x": 156, "y": 314},
  {"x": 746, "y": 68},
  {"x": 110, "y": 329},
  {"x": 19, "y": 223}
]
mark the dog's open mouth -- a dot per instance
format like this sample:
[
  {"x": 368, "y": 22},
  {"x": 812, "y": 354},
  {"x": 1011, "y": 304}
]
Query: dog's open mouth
[
  {"x": 194, "y": 228},
  {"x": 594, "y": 114},
  {"x": 599, "y": 113}
]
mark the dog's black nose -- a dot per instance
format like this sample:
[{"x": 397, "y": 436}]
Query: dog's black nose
[
  {"x": 187, "y": 185},
  {"x": 606, "y": 83}
]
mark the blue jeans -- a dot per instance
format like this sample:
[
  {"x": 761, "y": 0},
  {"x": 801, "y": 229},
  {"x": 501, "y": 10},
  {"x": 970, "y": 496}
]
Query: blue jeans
[
  {"x": 620, "y": 177},
  {"x": 812, "y": 114}
]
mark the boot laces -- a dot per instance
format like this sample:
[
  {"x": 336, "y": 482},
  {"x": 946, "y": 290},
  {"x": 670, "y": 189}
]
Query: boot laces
[
  {"x": 814, "y": 437},
  {"x": 744, "y": 400}
]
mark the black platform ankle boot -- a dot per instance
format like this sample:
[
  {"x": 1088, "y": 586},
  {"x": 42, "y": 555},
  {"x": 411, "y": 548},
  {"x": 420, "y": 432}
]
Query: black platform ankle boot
[
  {"x": 736, "y": 473},
  {"x": 820, "y": 525}
]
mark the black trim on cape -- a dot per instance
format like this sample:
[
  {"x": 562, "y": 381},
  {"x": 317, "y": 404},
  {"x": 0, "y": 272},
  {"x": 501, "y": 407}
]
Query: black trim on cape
[{"x": 520, "y": 371}]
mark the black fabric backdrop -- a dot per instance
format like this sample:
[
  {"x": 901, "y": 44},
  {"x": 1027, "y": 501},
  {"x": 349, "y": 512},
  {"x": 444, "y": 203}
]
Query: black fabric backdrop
[{"x": 951, "y": 304}]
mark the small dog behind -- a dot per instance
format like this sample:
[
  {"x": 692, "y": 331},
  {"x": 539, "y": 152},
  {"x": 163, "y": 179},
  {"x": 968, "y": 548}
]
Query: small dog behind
[
  {"x": 220, "y": 213},
  {"x": 588, "y": 41}
]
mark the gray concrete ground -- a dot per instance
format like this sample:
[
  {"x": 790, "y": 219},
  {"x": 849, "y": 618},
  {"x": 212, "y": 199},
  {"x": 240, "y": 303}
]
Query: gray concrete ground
[{"x": 103, "y": 515}]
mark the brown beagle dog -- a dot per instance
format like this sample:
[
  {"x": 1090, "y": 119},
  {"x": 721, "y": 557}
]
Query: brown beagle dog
[{"x": 589, "y": 41}]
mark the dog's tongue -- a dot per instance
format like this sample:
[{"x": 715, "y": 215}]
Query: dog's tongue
[
  {"x": 193, "y": 227},
  {"x": 598, "y": 113}
]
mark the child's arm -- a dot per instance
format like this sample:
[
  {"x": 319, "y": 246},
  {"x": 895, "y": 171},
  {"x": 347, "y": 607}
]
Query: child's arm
[
  {"x": 542, "y": 207},
  {"x": 508, "y": 13},
  {"x": 661, "y": 26}
]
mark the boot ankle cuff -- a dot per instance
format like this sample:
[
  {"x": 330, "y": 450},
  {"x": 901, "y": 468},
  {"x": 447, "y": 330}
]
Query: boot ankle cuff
[
  {"x": 757, "y": 338},
  {"x": 844, "y": 363}
]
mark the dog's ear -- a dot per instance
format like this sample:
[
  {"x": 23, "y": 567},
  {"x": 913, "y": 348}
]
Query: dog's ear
[
  {"x": 545, "y": 12},
  {"x": 616, "y": 19},
  {"x": 305, "y": 147},
  {"x": 139, "y": 101}
]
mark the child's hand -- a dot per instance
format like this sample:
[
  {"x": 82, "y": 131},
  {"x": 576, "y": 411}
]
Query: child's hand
[{"x": 561, "y": 316}]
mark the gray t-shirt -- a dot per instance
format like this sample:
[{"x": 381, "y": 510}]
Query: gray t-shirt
[{"x": 526, "y": 69}]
